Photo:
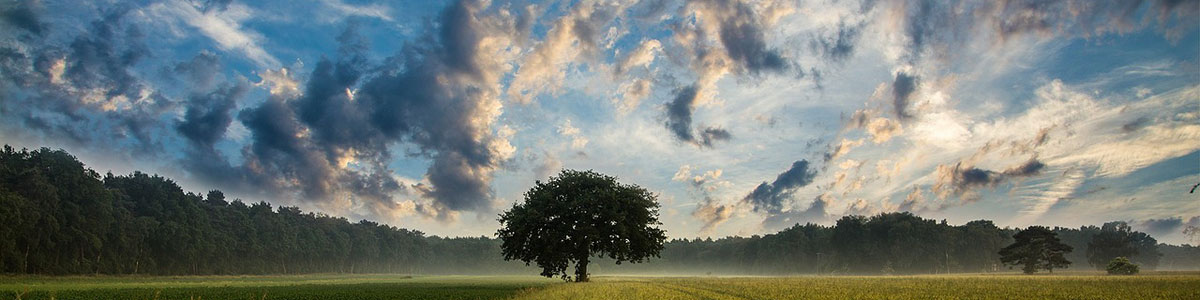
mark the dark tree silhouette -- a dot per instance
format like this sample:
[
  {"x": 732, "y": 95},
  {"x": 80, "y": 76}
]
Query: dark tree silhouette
[
  {"x": 1036, "y": 248},
  {"x": 1117, "y": 239},
  {"x": 577, "y": 215}
]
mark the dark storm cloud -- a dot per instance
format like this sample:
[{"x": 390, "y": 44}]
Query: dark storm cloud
[
  {"x": 679, "y": 120},
  {"x": 208, "y": 116},
  {"x": 962, "y": 179},
  {"x": 838, "y": 45},
  {"x": 711, "y": 135},
  {"x": 771, "y": 197},
  {"x": 902, "y": 89},
  {"x": 679, "y": 113},
  {"x": 1159, "y": 227},
  {"x": 278, "y": 151},
  {"x": 102, "y": 59},
  {"x": 741, "y": 34},
  {"x": 430, "y": 96},
  {"x": 84, "y": 91},
  {"x": 21, "y": 15},
  {"x": 588, "y": 29}
]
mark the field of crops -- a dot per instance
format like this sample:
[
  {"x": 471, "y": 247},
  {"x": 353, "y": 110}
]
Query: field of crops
[{"x": 1008, "y": 286}]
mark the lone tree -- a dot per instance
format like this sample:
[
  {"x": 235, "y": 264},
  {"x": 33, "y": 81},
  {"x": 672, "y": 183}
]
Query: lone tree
[
  {"x": 1036, "y": 248},
  {"x": 578, "y": 215}
]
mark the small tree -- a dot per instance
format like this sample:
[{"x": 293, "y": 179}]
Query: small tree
[
  {"x": 1036, "y": 248},
  {"x": 577, "y": 215},
  {"x": 1121, "y": 266}
]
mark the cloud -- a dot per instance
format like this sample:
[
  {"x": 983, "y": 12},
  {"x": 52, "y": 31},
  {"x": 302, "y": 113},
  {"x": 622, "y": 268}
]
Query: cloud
[
  {"x": 711, "y": 135},
  {"x": 86, "y": 90},
  {"x": 816, "y": 212},
  {"x": 572, "y": 37},
  {"x": 549, "y": 165},
  {"x": 201, "y": 72},
  {"x": 962, "y": 179},
  {"x": 578, "y": 141},
  {"x": 631, "y": 94},
  {"x": 740, "y": 30},
  {"x": 679, "y": 113},
  {"x": 913, "y": 201},
  {"x": 883, "y": 129},
  {"x": 842, "y": 148},
  {"x": 375, "y": 11},
  {"x": 712, "y": 213},
  {"x": 679, "y": 120},
  {"x": 439, "y": 100},
  {"x": 641, "y": 56},
  {"x": 279, "y": 83},
  {"x": 222, "y": 25},
  {"x": 719, "y": 37},
  {"x": 772, "y": 197},
  {"x": 1030, "y": 167},
  {"x": 941, "y": 29},
  {"x": 21, "y": 15},
  {"x": 902, "y": 89},
  {"x": 208, "y": 116},
  {"x": 684, "y": 174},
  {"x": 837, "y": 45},
  {"x": 1160, "y": 227}
]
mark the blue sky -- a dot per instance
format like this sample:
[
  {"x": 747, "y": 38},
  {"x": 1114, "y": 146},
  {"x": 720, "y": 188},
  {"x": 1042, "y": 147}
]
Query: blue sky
[{"x": 744, "y": 117}]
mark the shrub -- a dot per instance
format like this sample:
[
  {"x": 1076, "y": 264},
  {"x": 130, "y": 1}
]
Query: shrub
[{"x": 1121, "y": 266}]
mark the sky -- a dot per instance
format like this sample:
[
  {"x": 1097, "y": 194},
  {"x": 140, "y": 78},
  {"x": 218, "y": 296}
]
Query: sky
[{"x": 744, "y": 117}]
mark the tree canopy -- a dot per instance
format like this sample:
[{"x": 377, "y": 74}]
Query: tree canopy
[
  {"x": 1117, "y": 239},
  {"x": 59, "y": 217},
  {"x": 577, "y": 215},
  {"x": 1036, "y": 248}
]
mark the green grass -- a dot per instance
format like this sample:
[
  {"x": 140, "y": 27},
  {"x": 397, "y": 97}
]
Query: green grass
[
  {"x": 1006, "y": 286},
  {"x": 331, "y": 286}
]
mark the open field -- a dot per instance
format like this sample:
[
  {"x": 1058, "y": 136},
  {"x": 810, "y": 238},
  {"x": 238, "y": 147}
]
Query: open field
[{"x": 1007, "y": 286}]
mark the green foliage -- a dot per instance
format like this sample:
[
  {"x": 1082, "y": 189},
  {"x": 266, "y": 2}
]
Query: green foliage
[
  {"x": 1117, "y": 239},
  {"x": 1121, "y": 266},
  {"x": 577, "y": 215},
  {"x": 1036, "y": 248},
  {"x": 57, "y": 217}
]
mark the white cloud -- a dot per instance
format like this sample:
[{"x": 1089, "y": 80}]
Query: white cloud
[
  {"x": 374, "y": 10},
  {"x": 223, "y": 26}
]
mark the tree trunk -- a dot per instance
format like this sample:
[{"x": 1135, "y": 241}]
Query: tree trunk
[{"x": 581, "y": 274}]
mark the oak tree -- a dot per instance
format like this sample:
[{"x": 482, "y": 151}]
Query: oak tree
[{"x": 579, "y": 215}]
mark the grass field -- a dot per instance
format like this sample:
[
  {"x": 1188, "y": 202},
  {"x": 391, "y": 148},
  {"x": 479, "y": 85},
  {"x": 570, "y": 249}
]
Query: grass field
[{"x": 1065, "y": 286}]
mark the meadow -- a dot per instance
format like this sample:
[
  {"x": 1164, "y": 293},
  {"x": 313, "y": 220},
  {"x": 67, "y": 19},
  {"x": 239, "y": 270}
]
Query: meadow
[{"x": 1161, "y": 285}]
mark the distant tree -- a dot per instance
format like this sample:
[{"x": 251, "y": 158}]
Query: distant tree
[
  {"x": 1036, "y": 248},
  {"x": 1117, "y": 239},
  {"x": 577, "y": 215},
  {"x": 1121, "y": 266}
]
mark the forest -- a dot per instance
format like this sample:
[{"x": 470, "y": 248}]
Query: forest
[{"x": 59, "y": 217}]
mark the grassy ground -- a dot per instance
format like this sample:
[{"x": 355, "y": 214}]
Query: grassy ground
[
  {"x": 320, "y": 286},
  {"x": 1075, "y": 286},
  {"x": 1062, "y": 286}
]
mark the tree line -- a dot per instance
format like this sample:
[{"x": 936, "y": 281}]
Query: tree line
[{"x": 59, "y": 217}]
